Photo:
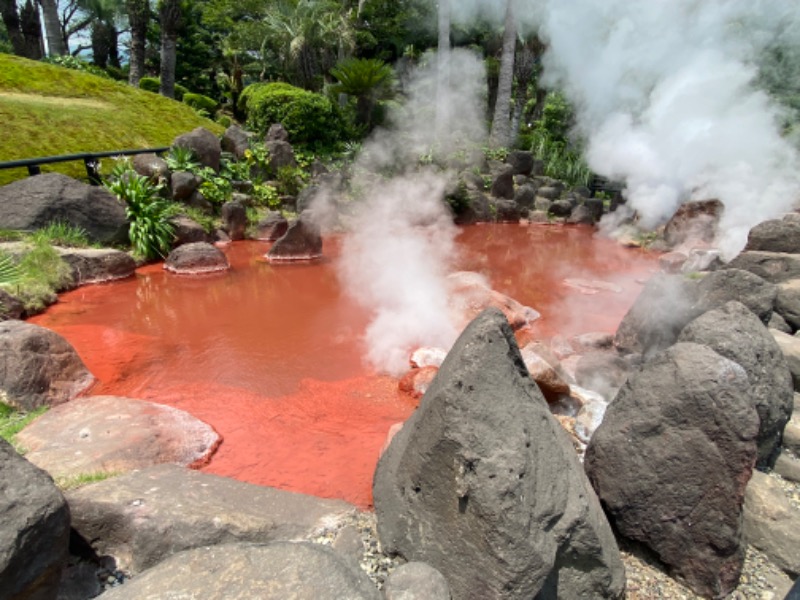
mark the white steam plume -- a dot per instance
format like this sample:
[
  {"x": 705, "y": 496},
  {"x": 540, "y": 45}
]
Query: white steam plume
[
  {"x": 666, "y": 97},
  {"x": 397, "y": 253}
]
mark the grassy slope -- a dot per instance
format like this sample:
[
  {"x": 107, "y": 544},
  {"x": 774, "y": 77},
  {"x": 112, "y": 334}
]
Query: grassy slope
[{"x": 48, "y": 110}]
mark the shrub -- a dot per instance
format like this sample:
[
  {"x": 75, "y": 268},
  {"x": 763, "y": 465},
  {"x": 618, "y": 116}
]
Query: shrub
[
  {"x": 71, "y": 62},
  {"x": 61, "y": 233},
  {"x": 310, "y": 118},
  {"x": 153, "y": 84},
  {"x": 200, "y": 102}
]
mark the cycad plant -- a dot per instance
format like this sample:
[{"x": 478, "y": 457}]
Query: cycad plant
[
  {"x": 151, "y": 232},
  {"x": 368, "y": 80}
]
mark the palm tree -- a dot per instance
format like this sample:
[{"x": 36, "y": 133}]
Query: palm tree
[
  {"x": 368, "y": 80},
  {"x": 170, "y": 15},
  {"x": 52, "y": 28},
  {"x": 11, "y": 20},
  {"x": 138, "y": 12},
  {"x": 501, "y": 124}
]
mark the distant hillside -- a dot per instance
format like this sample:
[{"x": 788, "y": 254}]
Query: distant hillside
[{"x": 47, "y": 110}]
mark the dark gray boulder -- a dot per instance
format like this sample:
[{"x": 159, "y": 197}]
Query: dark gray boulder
[
  {"x": 589, "y": 212},
  {"x": 306, "y": 197},
  {"x": 34, "y": 530},
  {"x": 277, "y": 571},
  {"x": 281, "y": 155},
  {"x": 183, "y": 185},
  {"x": 416, "y": 581},
  {"x": 506, "y": 211},
  {"x": 234, "y": 220},
  {"x": 774, "y": 267},
  {"x": 477, "y": 209},
  {"x": 775, "y": 235},
  {"x": 671, "y": 460},
  {"x": 736, "y": 333},
  {"x": 206, "y": 146},
  {"x": 196, "y": 259},
  {"x": 551, "y": 192},
  {"x": 277, "y": 133},
  {"x": 483, "y": 484},
  {"x": 694, "y": 222},
  {"x": 787, "y": 302},
  {"x": 521, "y": 162},
  {"x": 97, "y": 265},
  {"x": 33, "y": 202},
  {"x": 273, "y": 226},
  {"x": 503, "y": 184},
  {"x": 38, "y": 367},
  {"x": 717, "y": 288},
  {"x": 235, "y": 140},
  {"x": 560, "y": 208},
  {"x": 145, "y": 516},
  {"x": 302, "y": 241},
  {"x": 151, "y": 166},
  {"x": 525, "y": 195},
  {"x": 188, "y": 231}
]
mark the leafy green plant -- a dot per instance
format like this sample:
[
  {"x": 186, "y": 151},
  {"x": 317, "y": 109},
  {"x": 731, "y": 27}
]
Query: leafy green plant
[
  {"x": 10, "y": 273},
  {"x": 216, "y": 187},
  {"x": 61, "y": 233},
  {"x": 291, "y": 180},
  {"x": 206, "y": 221},
  {"x": 266, "y": 195},
  {"x": 43, "y": 273},
  {"x": 369, "y": 81},
  {"x": 72, "y": 62},
  {"x": 181, "y": 158},
  {"x": 200, "y": 102},
  {"x": 12, "y": 421},
  {"x": 150, "y": 232}
]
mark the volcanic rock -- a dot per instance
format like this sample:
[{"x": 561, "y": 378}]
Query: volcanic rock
[
  {"x": 151, "y": 166},
  {"x": 560, "y": 208},
  {"x": 590, "y": 415},
  {"x": 280, "y": 155},
  {"x": 416, "y": 581},
  {"x": 702, "y": 259},
  {"x": 205, "y": 145},
  {"x": 588, "y": 212},
  {"x": 506, "y": 211},
  {"x": 503, "y": 185},
  {"x": 417, "y": 381},
  {"x": 31, "y": 203},
  {"x": 196, "y": 258},
  {"x": 197, "y": 200},
  {"x": 736, "y": 333},
  {"x": 776, "y": 235},
  {"x": 791, "y": 434},
  {"x": 594, "y": 340},
  {"x": 602, "y": 372},
  {"x": 483, "y": 484},
  {"x": 717, "y": 288},
  {"x": 97, "y": 265},
  {"x": 671, "y": 460},
  {"x": 236, "y": 141},
  {"x": 277, "y": 133},
  {"x": 302, "y": 241},
  {"x": 10, "y": 306},
  {"x": 166, "y": 509},
  {"x": 34, "y": 530},
  {"x": 790, "y": 346},
  {"x": 188, "y": 231},
  {"x": 525, "y": 195},
  {"x": 774, "y": 267},
  {"x": 521, "y": 162},
  {"x": 273, "y": 226},
  {"x": 108, "y": 434},
  {"x": 38, "y": 367},
  {"x": 470, "y": 293},
  {"x": 787, "y": 467},
  {"x": 183, "y": 184},
  {"x": 778, "y": 322},
  {"x": 234, "y": 220},
  {"x": 546, "y": 371},
  {"x": 549, "y": 191},
  {"x": 672, "y": 262},
  {"x": 787, "y": 302},
  {"x": 694, "y": 222},
  {"x": 247, "y": 571},
  {"x": 770, "y": 523}
]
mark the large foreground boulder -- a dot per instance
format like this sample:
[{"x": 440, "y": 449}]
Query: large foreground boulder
[
  {"x": 109, "y": 434},
  {"x": 671, "y": 460},
  {"x": 33, "y": 202},
  {"x": 38, "y": 367},
  {"x": 143, "y": 517},
  {"x": 34, "y": 530},
  {"x": 776, "y": 235},
  {"x": 277, "y": 571},
  {"x": 205, "y": 145},
  {"x": 736, "y": 333},
  {"x": 483, "y": 484}
]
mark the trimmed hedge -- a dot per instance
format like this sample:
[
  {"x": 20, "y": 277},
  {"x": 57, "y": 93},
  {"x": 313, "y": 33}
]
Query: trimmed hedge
[
  {"x": 152, "y": 84},
  {"x": 200, "y": 102},
  {"x": 310, "y": 118}
]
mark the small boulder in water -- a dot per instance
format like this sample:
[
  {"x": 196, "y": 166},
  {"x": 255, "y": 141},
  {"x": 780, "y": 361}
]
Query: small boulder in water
[
  {"x": 302, "y": 241},
  {"x": 470, "y": 293},
  {"x": 196, "y": 259}
]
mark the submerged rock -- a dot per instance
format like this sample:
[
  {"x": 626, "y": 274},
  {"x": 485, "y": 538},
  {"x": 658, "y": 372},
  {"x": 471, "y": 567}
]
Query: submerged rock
[{"x": 197, "y": 258}]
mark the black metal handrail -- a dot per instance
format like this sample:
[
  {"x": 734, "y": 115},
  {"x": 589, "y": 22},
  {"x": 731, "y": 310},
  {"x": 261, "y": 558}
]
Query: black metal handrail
[{"x": 90, "y": 160}]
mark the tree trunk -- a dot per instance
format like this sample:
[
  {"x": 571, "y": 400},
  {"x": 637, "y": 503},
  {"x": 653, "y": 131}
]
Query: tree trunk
[
  {"x": 524, "y": 71},
  {"x": 443, "y": 66},
  {"x": 170, "y": 16},
  {"x": 138, "y": 17},
  {"x": 31, "y": 27},
  {"x": 8, "y": 8},
  {"x": 52, "y": 28},
  {"x": 501, "y": 123}
]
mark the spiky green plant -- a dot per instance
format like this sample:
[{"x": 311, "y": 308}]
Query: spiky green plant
[
  {"x": 180, "y": 158},
  {"x": 368, "y": 80},
  {"x": 62, "y": 233}
]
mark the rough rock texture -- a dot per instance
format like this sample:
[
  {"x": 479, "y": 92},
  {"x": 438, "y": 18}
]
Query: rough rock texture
[
  {"x": 34, "y": 530},
  {"x": 525, "y": 195},
  {"x": 719, "y": 287},
  {"x": 205, "y": 145},
  {"x": 416, "y": 581},
  {"x": 151, "y": 166},
  {"x": 277, "y": 133},
  {"x": 774, "y": 267},
  {"x": 280, "y": 155},
  {"x": 235, "y": 140},
  {"x": 694, "y": 222},
  {"x": 671, "y": 460},
  {"x": 587, "y": 212},
  {"x": 189, "y": 231},
  {"x": 602, "y": 372},
  {"x": 97, "y": 265},
  {"x": 109, "y": 434},
  {"x": 790, "y": 346},
  {"x": 11, "y": 307},
  {"x": 302, "y": 241},
  {"x": 787, "y": 302},
  {"x": 142, "y": 517},
  {"x": 506, "y": 211},
  {"x": 483, "y": 484},
  {"x": 33, "y": 202},
  {"x": 791, "y": 434},
  {"x": 503, "y": 185},
  {"x": 770, "y": 523},
  {"x": 38, "y": 367},
  {"x": 787, "y": 467},
  {"x": 560, "y": 208},
  {"x": 234, "y": 219},
  {"x": 776, "y": 235},
  {"x": 521, "y": 162},
  {"x": 737, "y": 334},
  {"x": 469, "y": 293},
  {"x": 278, "y": 571},
  {"x": 196, "y": 258},
  {"x": 546, "y": 370},
  {"x": 183, "y": 185},
  {"x": 273, "y": 226}
]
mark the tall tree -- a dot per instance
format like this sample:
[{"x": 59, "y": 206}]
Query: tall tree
[
  {"x": 501, "y": 123},
  {"x": 11, "y": 20},
  {"x": 138, "y": 12},
  {"x": 31, "y": 27},
  {"x": 170, "y": 16},
  {"x": 52, "y": 28}
]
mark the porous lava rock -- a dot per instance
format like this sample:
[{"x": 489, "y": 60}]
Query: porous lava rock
[
  {"x": 787, "y": 302},
  {"x": 34, "y": 530},
  {"x": 97, "y": 265},
  {"x": 236, "y": 141},
  {"x": 503, "y": 184},
  {"x": 183, "y": 185},
  {"x": 196, "y": 258},
  {"x": 588, "y": 212},
  {"x": 469, "y": 293},
  {"x": 694, "y": 222},
  {"x": 482, "y": 483},
  {"x": 506, "y": 211},
  {"x": 246, "y": 571},
  {"x": 234, "y": 219},
  {"x": 273, "y": 226},
  {"x": 525, "y": 196},
  {"x": 736, "y": 333},
  {"x": 546, "y": 370},
  {"x": 790, "y": 346},
  {"x": 38, "y": 367},
  {"x": 671, "y": 460},
  {"x": 774, "y": 267},
  {"x": 110, "y": 434},
  {"x": 302, "y": 241},
  {"x": 188, "y": 231},
  {"x": 521, "y": 162},
  {"x": 34, "y": 202},
  {"x": 717, "y": 288},
  {"x": 560, "y": 208},
  {"x": 205, "y": 145},
  {"x": 775, "y": 235},
  {"x": 281, "y": 155},
  {"x": 151, "y": 166},
  {"x": 416, "y": 581},
  {"x": 145, "y": 516}
]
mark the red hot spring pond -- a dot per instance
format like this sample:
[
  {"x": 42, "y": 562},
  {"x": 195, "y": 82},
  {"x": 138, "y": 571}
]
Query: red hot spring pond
[{"x": 271, "y": 355}]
